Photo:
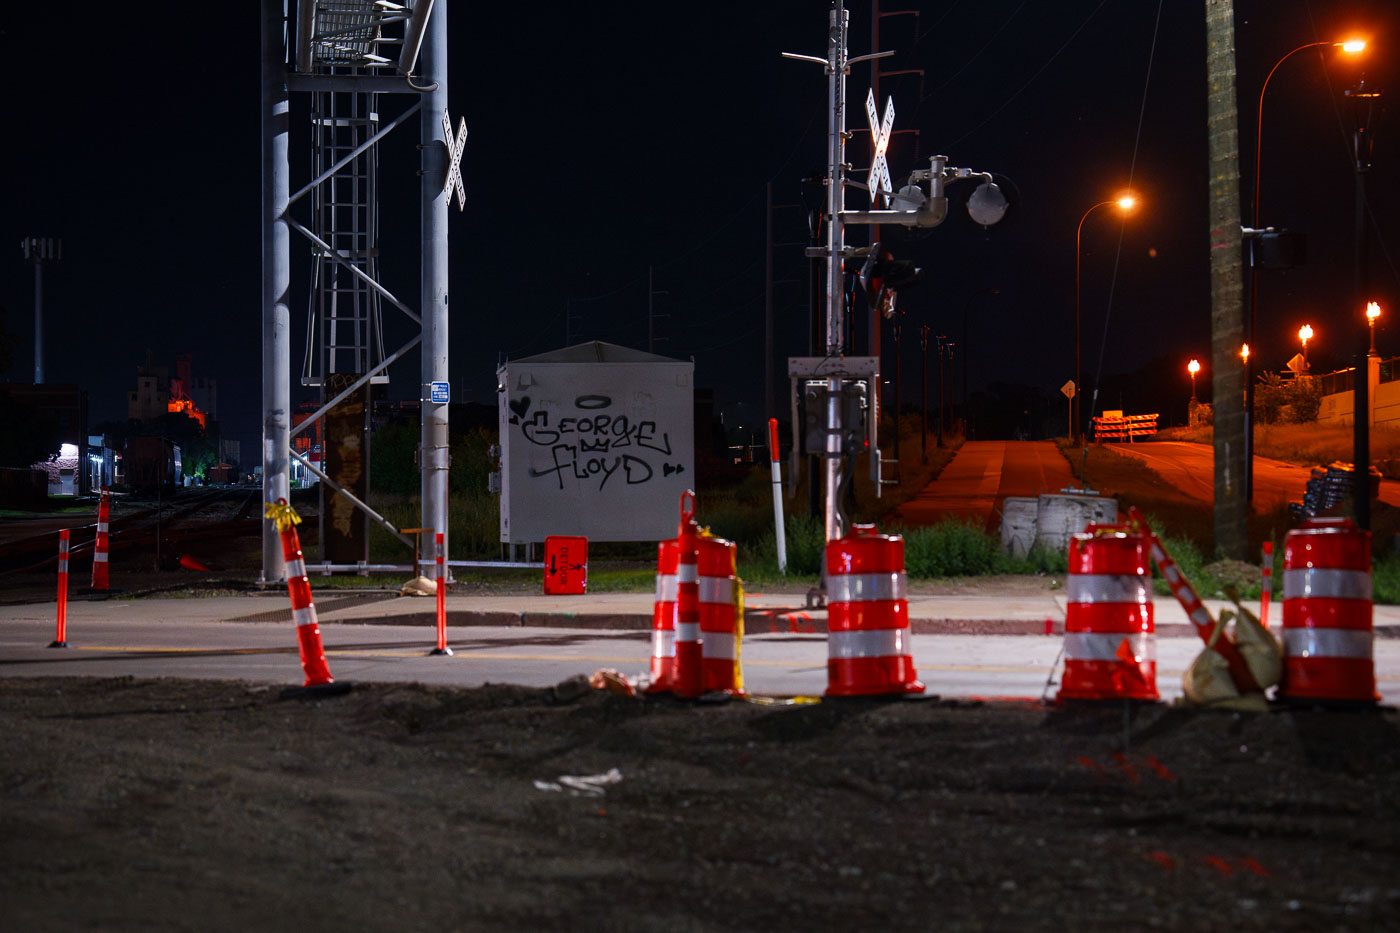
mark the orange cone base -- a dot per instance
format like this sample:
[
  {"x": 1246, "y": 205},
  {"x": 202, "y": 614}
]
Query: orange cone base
[
  {"x": 100, "y": 578},
  {"x": 1109, "y": 680},
  {"x": 440, "y": 651},
  {"x": 863, "y": 677},
  {"x": 663, "y": 675},
  {"x": 313, "y": 656},
  {"x": 58, "y": 644},
  {"x": 686, "y": 681},
  {"x": 1328, "y": 680},
  {"x": 719, "y": 677}
]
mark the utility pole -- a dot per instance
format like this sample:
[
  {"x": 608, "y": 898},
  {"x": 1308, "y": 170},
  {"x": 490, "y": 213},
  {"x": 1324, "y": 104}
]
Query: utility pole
[
  {"x": 1364, "y": 103},
  {"x": 38, "y": 251},
  {"x": 1227, "y": 282}
]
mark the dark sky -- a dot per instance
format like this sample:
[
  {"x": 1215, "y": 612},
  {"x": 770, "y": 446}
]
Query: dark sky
[{"x": 605, "y": 138}]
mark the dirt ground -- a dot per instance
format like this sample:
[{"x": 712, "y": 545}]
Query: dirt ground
[{"x": 171, "y": 805}]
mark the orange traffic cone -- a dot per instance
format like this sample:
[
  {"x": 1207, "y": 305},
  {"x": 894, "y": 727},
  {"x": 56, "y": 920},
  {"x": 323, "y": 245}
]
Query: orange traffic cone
[
  {"x": 100, "y": 578},
  {"x": 313, "y": 655},
  {"x": 663, "y": 620}
]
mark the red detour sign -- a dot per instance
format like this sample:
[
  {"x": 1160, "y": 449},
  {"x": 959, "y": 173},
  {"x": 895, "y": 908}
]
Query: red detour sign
[
  {"x": 1110, "y": 636},
  {"x": 1327, "y": 613},
  {"x": 868, "y": 647},
  {"x": 565, "y": 565}
]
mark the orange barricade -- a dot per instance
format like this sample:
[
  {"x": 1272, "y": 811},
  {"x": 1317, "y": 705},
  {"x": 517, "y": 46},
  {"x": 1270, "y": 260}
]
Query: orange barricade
[
  {"x": 868, "y": 647},
  {"x": 1327, "y": 628},
  {"x": 1110, "y": 635}
]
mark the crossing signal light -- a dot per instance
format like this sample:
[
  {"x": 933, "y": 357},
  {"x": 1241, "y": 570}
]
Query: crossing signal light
[{"x": 882, "y": 277}]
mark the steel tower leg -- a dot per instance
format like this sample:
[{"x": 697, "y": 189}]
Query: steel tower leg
[
  {"x": 434, "y": 452},
  {"x": 276, "y": 262}
]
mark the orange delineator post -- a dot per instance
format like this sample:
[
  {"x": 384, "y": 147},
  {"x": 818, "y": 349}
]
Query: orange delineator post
[
  {"x": 61, "y": 638},
  {"x": 1196, "y": 612},
  {"x": 99, "y": 551},
  {"x": 1266, "y": 583},
  {"x": 441, "y": 598},
  {"x": 780, "y": 532},
  {"x": 313, "y": 655},
  {"x": 689, "y": 677}
]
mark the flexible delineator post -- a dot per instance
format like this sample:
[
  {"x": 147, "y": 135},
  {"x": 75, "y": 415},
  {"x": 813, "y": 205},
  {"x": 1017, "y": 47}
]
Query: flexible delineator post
[
  {"x": 777, "y": 494},
  {"x": 61, "y": 638},
  {"x": 1266, "y": 583},
  {"x": 99, "y": 552},
  {"x": 441, "y": 598},
  {"x": 1196, "y": 611},
  {"x": 313, "y": 655}
]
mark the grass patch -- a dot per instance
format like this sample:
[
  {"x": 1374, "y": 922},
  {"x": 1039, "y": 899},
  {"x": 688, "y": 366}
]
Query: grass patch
[{"x": 1307, "y": 444}]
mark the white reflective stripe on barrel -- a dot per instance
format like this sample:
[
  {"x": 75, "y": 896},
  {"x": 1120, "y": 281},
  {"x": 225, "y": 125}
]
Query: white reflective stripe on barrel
[
  {"x": 1323, "y": 583},
  {"x": 102, "y": 528},
  {"x": 305, "y": 616},
  {"x": 865, "y": 587},
  {"x": 687, "y": 573},
  {"x": 687, "y": 631},
  {"x": 63, "y": 565},
  {"x": 1326, "y": 643},
  {"x": 1105, "y": 588},
  {"x": 872, "y": 643},
  {"x": 100, "y": 557},
  {"x": 666, "y": 587},
  {"x": 663, "y": 643},
  {"x": 296, "y": 568},
  {"x": 717, "y": 590},
  {"x": 1103, "y": 646},
  {"x": 720, "y": 645}
]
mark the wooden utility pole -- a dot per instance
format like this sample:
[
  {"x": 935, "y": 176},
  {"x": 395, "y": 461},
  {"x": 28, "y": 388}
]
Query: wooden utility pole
[{"x": 1226, "y": 283}]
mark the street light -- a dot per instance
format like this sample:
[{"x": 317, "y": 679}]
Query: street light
[
  {"x": 1373, "y": 311},
  {"x": 1124, "y": 203},
  {"x": 1244, "y": 353},
  {"x": 1305, "y": 334},
  {"x": 1193, "y": 367}
]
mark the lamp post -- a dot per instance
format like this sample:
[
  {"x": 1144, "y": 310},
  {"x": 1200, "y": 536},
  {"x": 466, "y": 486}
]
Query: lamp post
[
  {"x": 1124, "y": 204},
  {"x": 1364, "y": 103},
  {"x": 1373, "y": 311},
  {"x": 1192, "y": 367},
  {"x": 1351, "y": 47},
  {"x": 1305, "y": 334}
]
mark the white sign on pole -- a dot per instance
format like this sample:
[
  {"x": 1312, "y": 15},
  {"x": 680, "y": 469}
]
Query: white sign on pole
[
  {"x": 878, "y": 180},
  {"x": 454, "y": 165}
]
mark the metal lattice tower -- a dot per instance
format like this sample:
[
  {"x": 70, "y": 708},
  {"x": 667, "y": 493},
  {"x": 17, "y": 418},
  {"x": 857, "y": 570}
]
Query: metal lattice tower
[{"x": 332, "y": 54}]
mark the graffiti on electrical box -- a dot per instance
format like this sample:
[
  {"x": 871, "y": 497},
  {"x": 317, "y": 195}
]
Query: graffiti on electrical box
[{"x": 596, "y": 445}]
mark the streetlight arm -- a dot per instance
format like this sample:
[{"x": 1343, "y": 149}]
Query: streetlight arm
[{"x": 1259, "y": 122}]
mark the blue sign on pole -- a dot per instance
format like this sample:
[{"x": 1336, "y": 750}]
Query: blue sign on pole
[{"x": 441, "y": 393}]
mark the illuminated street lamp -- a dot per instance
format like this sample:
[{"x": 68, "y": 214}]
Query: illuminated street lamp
[
  {"x": 1124, "y": 203},
  {"x": 1244, "y": 353},
  {"x": 1373, "y": 311},
  {"x": 1305, "y": 334},
  {"x": 1193, "y": 367}
]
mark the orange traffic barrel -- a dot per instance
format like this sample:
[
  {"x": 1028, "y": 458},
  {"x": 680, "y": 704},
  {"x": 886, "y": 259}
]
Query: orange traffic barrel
[
  {"x": 689, "y": 679},
  {"x": 720, "y": 630},
  {"x": 1327, "y": 629},
  {"x": 1110, "y": 636},
  {"x": 868, "y": 647},
  {"x": 663, "y": 619}
]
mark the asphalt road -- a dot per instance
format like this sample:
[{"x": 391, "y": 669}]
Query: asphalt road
[
  {"x": 776, "y": 664},
  {"x": 980, "y": 476},
  {"x": 1191, "y": 469}
]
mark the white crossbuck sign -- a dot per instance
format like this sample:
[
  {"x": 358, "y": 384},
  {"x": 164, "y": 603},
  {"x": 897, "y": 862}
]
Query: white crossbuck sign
[
  {"x": 454, "y": 165},
  {"x": 879, "y": 179}
]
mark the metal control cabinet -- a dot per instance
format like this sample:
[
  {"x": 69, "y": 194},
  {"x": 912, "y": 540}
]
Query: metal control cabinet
[{"x": 597, "y": 440}]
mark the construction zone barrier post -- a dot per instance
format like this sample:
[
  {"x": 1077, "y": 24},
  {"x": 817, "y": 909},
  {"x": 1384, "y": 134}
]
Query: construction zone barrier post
[
  {"x": 721, "y": 616},
  {"x": 688, "y": 678},
  {"x": 663, "y": 619},
  {"x": 441, "y": 550},
  {"x": 1327, "y": 609},
  {"x": 777, "y": 469},
  {"x": 868, "y": 646},
  {"x": 100, "y": 575},
  {"x": 1110, "y": 635},
  {"x": 313, "y": 655},
  {"x": 61, "y": 637},
  {"x": 1266, "y": 583}
]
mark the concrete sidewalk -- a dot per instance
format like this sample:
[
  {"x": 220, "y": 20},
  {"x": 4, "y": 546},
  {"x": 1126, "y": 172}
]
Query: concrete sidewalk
[{"x": 765, "y": 612}]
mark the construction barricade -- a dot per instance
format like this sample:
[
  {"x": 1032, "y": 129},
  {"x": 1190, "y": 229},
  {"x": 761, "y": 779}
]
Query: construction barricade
[
  {"x": 868, "y": 647},
  {"x": 663, "y": 618},
  {"x": 313, "y": 655},
  {"x": 721, "y": 616},
  {"x": 1110, "y": 636},
  {"x": 61, "y": 635},
  {"x": 100, "y": 576},
  {"x": 1115, "y": 426},
  {"x": 1327, "y": 625}
]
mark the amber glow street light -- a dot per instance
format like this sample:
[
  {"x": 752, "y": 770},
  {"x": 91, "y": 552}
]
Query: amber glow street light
[
  {"x": 1244, "y": 353},
  {"x": 1125, "y": 203},
  {"x": 1373, "y": 311},
  {"x": 1305, "y": 334},
  {"x": 1193, "y": 367}
]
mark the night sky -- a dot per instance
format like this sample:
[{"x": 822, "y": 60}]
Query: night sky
[{"x": 605, "y": 138}]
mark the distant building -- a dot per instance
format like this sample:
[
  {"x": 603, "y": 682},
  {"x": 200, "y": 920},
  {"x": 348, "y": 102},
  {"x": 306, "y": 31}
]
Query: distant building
[
  {"x": 152, "y": 396},
  {"x": 65, "y": 405}
]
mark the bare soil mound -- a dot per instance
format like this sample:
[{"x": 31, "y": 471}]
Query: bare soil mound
[{"x": 154, "y": 805}]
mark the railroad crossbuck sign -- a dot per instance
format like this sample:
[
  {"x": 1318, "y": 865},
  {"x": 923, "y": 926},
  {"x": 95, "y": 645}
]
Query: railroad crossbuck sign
[
  {"x": 879, "y": 179},
  {"x": 454, "y": 165}
]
